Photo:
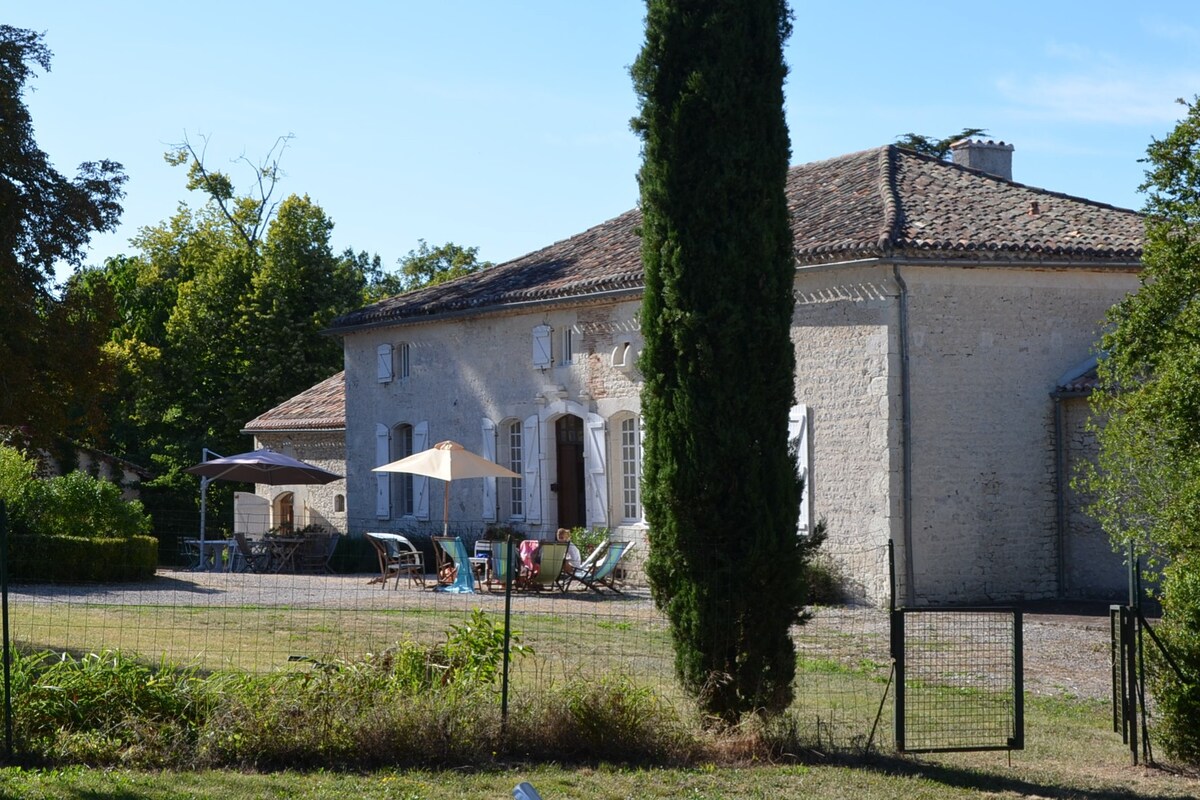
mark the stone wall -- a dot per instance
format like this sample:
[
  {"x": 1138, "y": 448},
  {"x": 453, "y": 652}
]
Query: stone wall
[
  {"x": 469, "y": 369},
  {"x": 987, "y": 347},
  {"x": 314, "y": 504},
  {"x": 846, "y": 373},
  {"x": 1094, "y": 571}
]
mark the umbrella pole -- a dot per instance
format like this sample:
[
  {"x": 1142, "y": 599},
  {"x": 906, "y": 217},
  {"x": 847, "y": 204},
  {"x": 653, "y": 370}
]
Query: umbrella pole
[{"x": 446, "y": 509}]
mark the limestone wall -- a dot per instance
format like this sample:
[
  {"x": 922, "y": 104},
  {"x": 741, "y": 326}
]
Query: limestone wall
[
  {"x": 313, "y": 504},
  {"x": 987, "y": 347}
]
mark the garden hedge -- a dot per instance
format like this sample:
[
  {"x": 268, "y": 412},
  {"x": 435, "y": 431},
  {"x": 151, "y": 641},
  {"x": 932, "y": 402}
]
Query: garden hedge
[{"x": 76, "y": 559}]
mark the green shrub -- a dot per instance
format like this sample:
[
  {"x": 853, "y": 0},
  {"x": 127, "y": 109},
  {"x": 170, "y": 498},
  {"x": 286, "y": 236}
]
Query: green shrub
[
  {"x": 105, "y": 708},
  {"x": 1178, "y": 700},
  {"x": 76, "y": 504},
  {"x": 74, "y": 559},
  {"x": 17, "y": 475}
]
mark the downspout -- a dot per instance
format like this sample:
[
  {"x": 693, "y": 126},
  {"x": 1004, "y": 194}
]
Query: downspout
[
  {"x": 1060, "y": 495},
  {"x": 906, "y": 439}
]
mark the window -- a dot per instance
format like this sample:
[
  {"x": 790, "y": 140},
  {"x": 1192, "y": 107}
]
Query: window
[
  {"x": 516, "y": 455},
  {"x": 631, "y": 457},
  {"x": 339, "y": 503},
  {"x": 402, "y": 482},
  {"x": 402, "y": 360},
  {"x": 567, "y": 356}
]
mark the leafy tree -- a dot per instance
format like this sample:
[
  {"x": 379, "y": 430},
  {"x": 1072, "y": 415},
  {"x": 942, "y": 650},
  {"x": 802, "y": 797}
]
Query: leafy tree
[
  {"x": 720, "y": 484},
  {"x": 45, "y": 219},
  {"x": 1146, "y": 482},
  {"x": 429, "y": 266},
  {"x": 938, "y": 148},
  {"x": 220, "y": 317}
]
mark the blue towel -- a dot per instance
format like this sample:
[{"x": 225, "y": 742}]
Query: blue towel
[{"x": 464, "y": 581}]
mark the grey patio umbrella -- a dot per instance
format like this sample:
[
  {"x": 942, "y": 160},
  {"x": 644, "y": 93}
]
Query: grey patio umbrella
[
  {"x": 448, "y": 461},
  {"x": 259, "y": 466}
]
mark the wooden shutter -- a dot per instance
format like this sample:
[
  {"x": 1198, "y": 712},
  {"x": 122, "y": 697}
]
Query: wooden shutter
[
  {"x": 383, "y": 480},
  {"x": 420, "y": 482},
  {"x": 488, "y": 451},
  {"x": 533, "y": 469},
  {"x": 595, "y": 458},
  {"x": 383, "y": 363},
  {"x": 798, "y": 444},
  {"x": 541, "y": 346}
]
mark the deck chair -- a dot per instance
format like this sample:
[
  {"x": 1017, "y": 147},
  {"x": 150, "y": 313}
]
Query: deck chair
[
  {"x": 568, "y": 570},
  {"x": 314, "y": 555},
  {"x": 502, "y": 567},
  {"x": 397, "y": 556},
  {"x": 249, "y": 555},
  {"x": 453, "y": 553},
  {"x": 551, "y": 556},
  {"x": 601, "y": 573}
]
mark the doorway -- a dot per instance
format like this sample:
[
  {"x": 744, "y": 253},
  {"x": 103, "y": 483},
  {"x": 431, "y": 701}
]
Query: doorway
[
  {"x": 571, "y": 490},
  {"x": 285, "y": 512}
]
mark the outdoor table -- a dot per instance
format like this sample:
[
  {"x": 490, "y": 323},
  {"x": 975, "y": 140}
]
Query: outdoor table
[
  {"x": 211, "y": 552},
  {"x": 283, "y": 551}
]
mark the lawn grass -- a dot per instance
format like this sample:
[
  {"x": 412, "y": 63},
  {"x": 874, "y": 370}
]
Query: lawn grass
[{"x": 842, "y": 678}]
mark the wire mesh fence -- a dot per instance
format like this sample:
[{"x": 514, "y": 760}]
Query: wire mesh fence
[
  {"x": 959, "y": 681},
  {"x": 224, "y": 610}
]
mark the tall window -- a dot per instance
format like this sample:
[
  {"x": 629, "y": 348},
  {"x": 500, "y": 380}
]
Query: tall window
[
  {"x": 516, "y": 462},
  {"x": 402, "y": 482},
  {"x": 568, "y": 346},
  {"x": 631, "y": 445},
  {"x": 402, "y": 360}
]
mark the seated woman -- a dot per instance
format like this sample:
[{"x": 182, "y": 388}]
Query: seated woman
[{"x": 572, "y": 560}]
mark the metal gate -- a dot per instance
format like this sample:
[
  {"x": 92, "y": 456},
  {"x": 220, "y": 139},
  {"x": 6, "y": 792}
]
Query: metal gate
[{"x": 959, "y": 679}]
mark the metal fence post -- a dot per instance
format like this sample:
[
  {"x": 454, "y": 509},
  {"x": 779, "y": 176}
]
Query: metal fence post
[
  {"x": 8, "y": 723},
  {"x": 897, "y": 644},
  {"x": 508, "y": 546}
]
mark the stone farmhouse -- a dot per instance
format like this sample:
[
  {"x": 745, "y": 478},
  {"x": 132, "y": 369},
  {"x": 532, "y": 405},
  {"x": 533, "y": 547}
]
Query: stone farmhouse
[
  {"x": 945, "y": 316},
  {"x": 311, "y": 427}
]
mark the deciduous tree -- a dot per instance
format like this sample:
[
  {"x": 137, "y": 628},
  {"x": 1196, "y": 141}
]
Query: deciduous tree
[
  {"x": 46, "y": 219},
  {"x": 1146, "y": 482}
]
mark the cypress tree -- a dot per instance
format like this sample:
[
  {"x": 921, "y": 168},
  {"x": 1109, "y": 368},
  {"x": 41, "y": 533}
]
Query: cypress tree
[{"x": 720, "y": 486}]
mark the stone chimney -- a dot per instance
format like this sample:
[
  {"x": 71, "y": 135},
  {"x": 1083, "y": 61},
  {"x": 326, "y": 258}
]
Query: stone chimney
[{"x": 994, "y": 158}]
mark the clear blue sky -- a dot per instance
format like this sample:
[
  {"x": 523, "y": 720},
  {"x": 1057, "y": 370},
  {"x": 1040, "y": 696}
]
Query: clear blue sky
[{"x": 504, "y": 125}]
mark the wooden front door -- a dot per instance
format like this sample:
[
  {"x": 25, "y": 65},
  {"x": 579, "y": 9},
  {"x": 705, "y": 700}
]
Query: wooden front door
[{"x": 571, "y": 491}]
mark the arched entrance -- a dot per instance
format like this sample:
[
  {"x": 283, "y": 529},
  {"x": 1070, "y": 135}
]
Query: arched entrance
[
  {"x": 285, "y": 512},
  {"x": 570, "y": 487}
]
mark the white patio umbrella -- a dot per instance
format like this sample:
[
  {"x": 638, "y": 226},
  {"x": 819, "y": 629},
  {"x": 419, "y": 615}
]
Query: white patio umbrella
[{"x": 448, "y": 461}]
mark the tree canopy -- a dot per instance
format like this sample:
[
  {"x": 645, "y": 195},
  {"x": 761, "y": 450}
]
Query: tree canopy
[
  {"x": 429, "y": 266},
  {"x": 48, "y": 344},
  {"x": 1146, "y": 482},
  {"x": 720, "y": 484},
  {"x": 220, "y": 316},
  {"x": 938, "y": 148}
]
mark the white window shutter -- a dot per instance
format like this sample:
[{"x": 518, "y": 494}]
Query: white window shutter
[
  {"x": 383, "y": 363},
  {"x": 420, "y": 482},
  {"x": 541, "y": 346},
  {"x": 798, "y": 444},
  {"x": 383, "y": 480},
  {"x": 595, "y": 458},
  {"x": 489, "y": 484},
  {"x": 533, "y": 470}
]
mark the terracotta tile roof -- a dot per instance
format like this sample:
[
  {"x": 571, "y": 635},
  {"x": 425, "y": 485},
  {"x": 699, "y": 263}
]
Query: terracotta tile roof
[
  {"x": 1079, "y": 382},
  {"x": 885, "y": 202},
  {"x": 322, "y": 407}
]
